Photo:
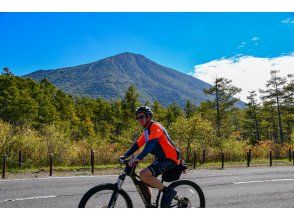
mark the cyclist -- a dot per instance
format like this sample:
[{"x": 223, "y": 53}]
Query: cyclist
[{"x": 157, "y": 142}]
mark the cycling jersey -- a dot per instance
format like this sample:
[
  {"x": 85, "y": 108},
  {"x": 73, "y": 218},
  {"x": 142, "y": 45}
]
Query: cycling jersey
[{"x": 157, "y": 142}]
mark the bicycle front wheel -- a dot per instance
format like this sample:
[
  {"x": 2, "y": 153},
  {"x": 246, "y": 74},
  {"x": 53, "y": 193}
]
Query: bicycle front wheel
[
  {"x": 99, "y": 197},
  {"x": 189, "y": 195}
]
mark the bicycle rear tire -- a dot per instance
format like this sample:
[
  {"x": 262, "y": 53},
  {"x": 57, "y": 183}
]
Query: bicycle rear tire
[{"x": 193, "y": 185}]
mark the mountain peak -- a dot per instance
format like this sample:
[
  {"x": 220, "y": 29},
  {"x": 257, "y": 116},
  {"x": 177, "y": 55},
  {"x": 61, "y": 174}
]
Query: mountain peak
[
  {"x": 109, "y": 78},
  {"x": 128, "y": 55}
]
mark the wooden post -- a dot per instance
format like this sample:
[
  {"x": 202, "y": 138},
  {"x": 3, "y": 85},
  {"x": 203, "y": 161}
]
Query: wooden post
[
  {"x": 248, "y": 159},
  {"x": 223, "y": 160},
  {"x": 290, "y": 154},
  {"x": 51, "y": 164},
  {"x": 271, "y": 158},
  {"x": 4, "y": 166},
  {"x": 92, "y": 161}
]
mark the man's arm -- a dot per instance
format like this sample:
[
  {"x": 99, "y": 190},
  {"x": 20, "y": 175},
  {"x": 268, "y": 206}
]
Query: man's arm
[
  {"x": 139, "y": 143},
  {"x": 148, "y": 148},
  {"x": 132, "y": 150}
]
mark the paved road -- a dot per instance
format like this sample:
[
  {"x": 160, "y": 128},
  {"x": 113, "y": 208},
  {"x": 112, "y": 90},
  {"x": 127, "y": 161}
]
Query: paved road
[{"x": 242, "y": 187}]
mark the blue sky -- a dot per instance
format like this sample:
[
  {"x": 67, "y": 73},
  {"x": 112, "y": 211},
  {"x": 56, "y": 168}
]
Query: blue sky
[{"x": 33, "y": 41}]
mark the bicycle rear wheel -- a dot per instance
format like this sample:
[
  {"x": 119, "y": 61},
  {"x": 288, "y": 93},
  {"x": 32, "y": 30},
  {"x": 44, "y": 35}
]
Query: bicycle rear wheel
[
  {"x": 189, "y": 195},
  {"x": 99, "y": 197}
]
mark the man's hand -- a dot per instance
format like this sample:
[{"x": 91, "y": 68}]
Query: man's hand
[
  {"x": 122, "y": 159},
  {"x": 132, "y": 161}
]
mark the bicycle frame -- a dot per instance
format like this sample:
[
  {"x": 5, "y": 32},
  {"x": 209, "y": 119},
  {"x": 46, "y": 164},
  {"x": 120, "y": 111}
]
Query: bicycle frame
[{"x": 130, "y": 171}]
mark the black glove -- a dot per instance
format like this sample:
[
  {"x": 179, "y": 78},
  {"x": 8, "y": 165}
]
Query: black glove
[{"x": 122, "y": 159}]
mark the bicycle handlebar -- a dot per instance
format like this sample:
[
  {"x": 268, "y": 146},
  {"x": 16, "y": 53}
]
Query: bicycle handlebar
[{"x": 125, "y": 161}]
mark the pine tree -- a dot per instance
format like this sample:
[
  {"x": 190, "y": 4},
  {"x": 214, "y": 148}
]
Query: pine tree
[
  {"x": 189, "y": 109},
  {"x": 173, "y": 112},
  {"x": 288, "y": 106},
  {"x": 274, "y": 93},
  {"x": 224, "y": 100},
  {"x": 252, "y": 112},
  {"x": 7, "y": 72},
  {"x": 130, "y": 102}
]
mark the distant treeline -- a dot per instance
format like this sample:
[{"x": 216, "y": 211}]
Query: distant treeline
[{"x": 39, "y": 119}]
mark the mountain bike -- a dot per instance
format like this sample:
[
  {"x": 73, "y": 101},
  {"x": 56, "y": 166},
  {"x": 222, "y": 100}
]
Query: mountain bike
[{"x": 189, "y": 194}]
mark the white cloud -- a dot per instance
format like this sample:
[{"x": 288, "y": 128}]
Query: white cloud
[
  {"x": 246, "y": 72},
  {"x": 287, "y": 21},
  {"x": 255, "y": 38},
  {"x": 242, "y": 45}
]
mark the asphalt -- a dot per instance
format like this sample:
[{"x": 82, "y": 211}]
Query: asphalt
[{"x": 236, "y": 187}]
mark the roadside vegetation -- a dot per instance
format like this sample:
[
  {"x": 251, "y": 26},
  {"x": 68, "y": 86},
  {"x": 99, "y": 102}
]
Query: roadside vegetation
[{"x": 39, "y": 119}]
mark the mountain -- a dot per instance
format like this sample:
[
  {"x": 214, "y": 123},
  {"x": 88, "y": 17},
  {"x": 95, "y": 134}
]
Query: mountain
[{"x": 109, "y": 78}]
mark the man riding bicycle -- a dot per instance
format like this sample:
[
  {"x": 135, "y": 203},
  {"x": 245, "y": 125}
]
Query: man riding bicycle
[{"x": 157, "y": 142}]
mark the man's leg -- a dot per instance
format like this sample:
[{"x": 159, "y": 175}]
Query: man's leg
[
  {"x": 149, "y": 174},
  {"x": 147, "y": 177}
]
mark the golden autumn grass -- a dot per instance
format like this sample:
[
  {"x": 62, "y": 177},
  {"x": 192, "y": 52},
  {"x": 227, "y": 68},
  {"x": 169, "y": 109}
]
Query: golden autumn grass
[{"x": 70, "y": 155}]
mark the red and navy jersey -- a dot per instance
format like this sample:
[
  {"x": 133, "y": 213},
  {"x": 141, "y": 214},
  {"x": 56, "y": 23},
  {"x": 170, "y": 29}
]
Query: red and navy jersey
[{"x": 157, "y": 142}]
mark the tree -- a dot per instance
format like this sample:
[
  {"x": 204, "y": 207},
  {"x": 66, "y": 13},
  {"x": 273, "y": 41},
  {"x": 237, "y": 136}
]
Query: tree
[
  {"x": 7, "y": 72},
  {"x": 193, "y": 132},
  {"x": 251, "y": 111},
  {"x": 274, "y": 92},
  {"x": 189, "y": 109},
  {"x": 172, "y": 113},
  {"x": 130, "y": 103},
  {"x": 102, "y": 117},
  {"x": 9, "y": 93},
  {"x": 159, "y": 111},
  {"x": 224, "y": 101},
  {"x": 268, "y": 123},
  {"x": 288, "y": 106},
  {"x": 65, "y": 106}
]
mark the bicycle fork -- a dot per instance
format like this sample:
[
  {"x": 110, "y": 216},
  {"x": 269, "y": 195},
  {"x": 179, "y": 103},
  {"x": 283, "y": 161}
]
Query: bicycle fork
[{"x": 115, "y": 193}]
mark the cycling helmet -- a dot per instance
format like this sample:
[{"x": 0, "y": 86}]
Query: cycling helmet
[{"x": 144, "y": 109}]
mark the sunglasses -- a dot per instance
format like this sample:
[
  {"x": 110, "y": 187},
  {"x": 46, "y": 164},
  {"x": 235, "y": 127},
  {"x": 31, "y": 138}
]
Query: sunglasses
[{"x": 140, "y": 117}]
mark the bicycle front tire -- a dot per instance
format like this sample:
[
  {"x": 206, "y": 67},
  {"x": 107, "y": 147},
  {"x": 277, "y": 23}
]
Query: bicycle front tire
[{"x": 105, "y": 190}]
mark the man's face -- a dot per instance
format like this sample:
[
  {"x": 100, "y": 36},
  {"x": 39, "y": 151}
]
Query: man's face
[{"x": 141, "y": 118}]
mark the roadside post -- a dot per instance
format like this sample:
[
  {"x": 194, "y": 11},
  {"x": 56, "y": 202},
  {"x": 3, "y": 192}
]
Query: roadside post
[
  {"x": 271, "y": 158},
  {"x": 248, "y": 159},
  {"x": 51, "y": 164},
  {"x": 92, "y": 161},
  {"x": 4, "y": 166},
  {"x": 223, "y": 160}
]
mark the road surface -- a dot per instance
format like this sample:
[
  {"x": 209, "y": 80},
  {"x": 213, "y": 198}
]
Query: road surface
[{"x": 234, "y": 187}]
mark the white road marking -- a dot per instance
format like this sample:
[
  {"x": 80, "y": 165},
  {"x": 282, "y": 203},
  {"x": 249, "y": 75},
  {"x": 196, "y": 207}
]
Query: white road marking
[
  {"x": 28, "y": 198},
  {"x": 56, "y": 177},
  {"x": 261, "y": 181}
]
